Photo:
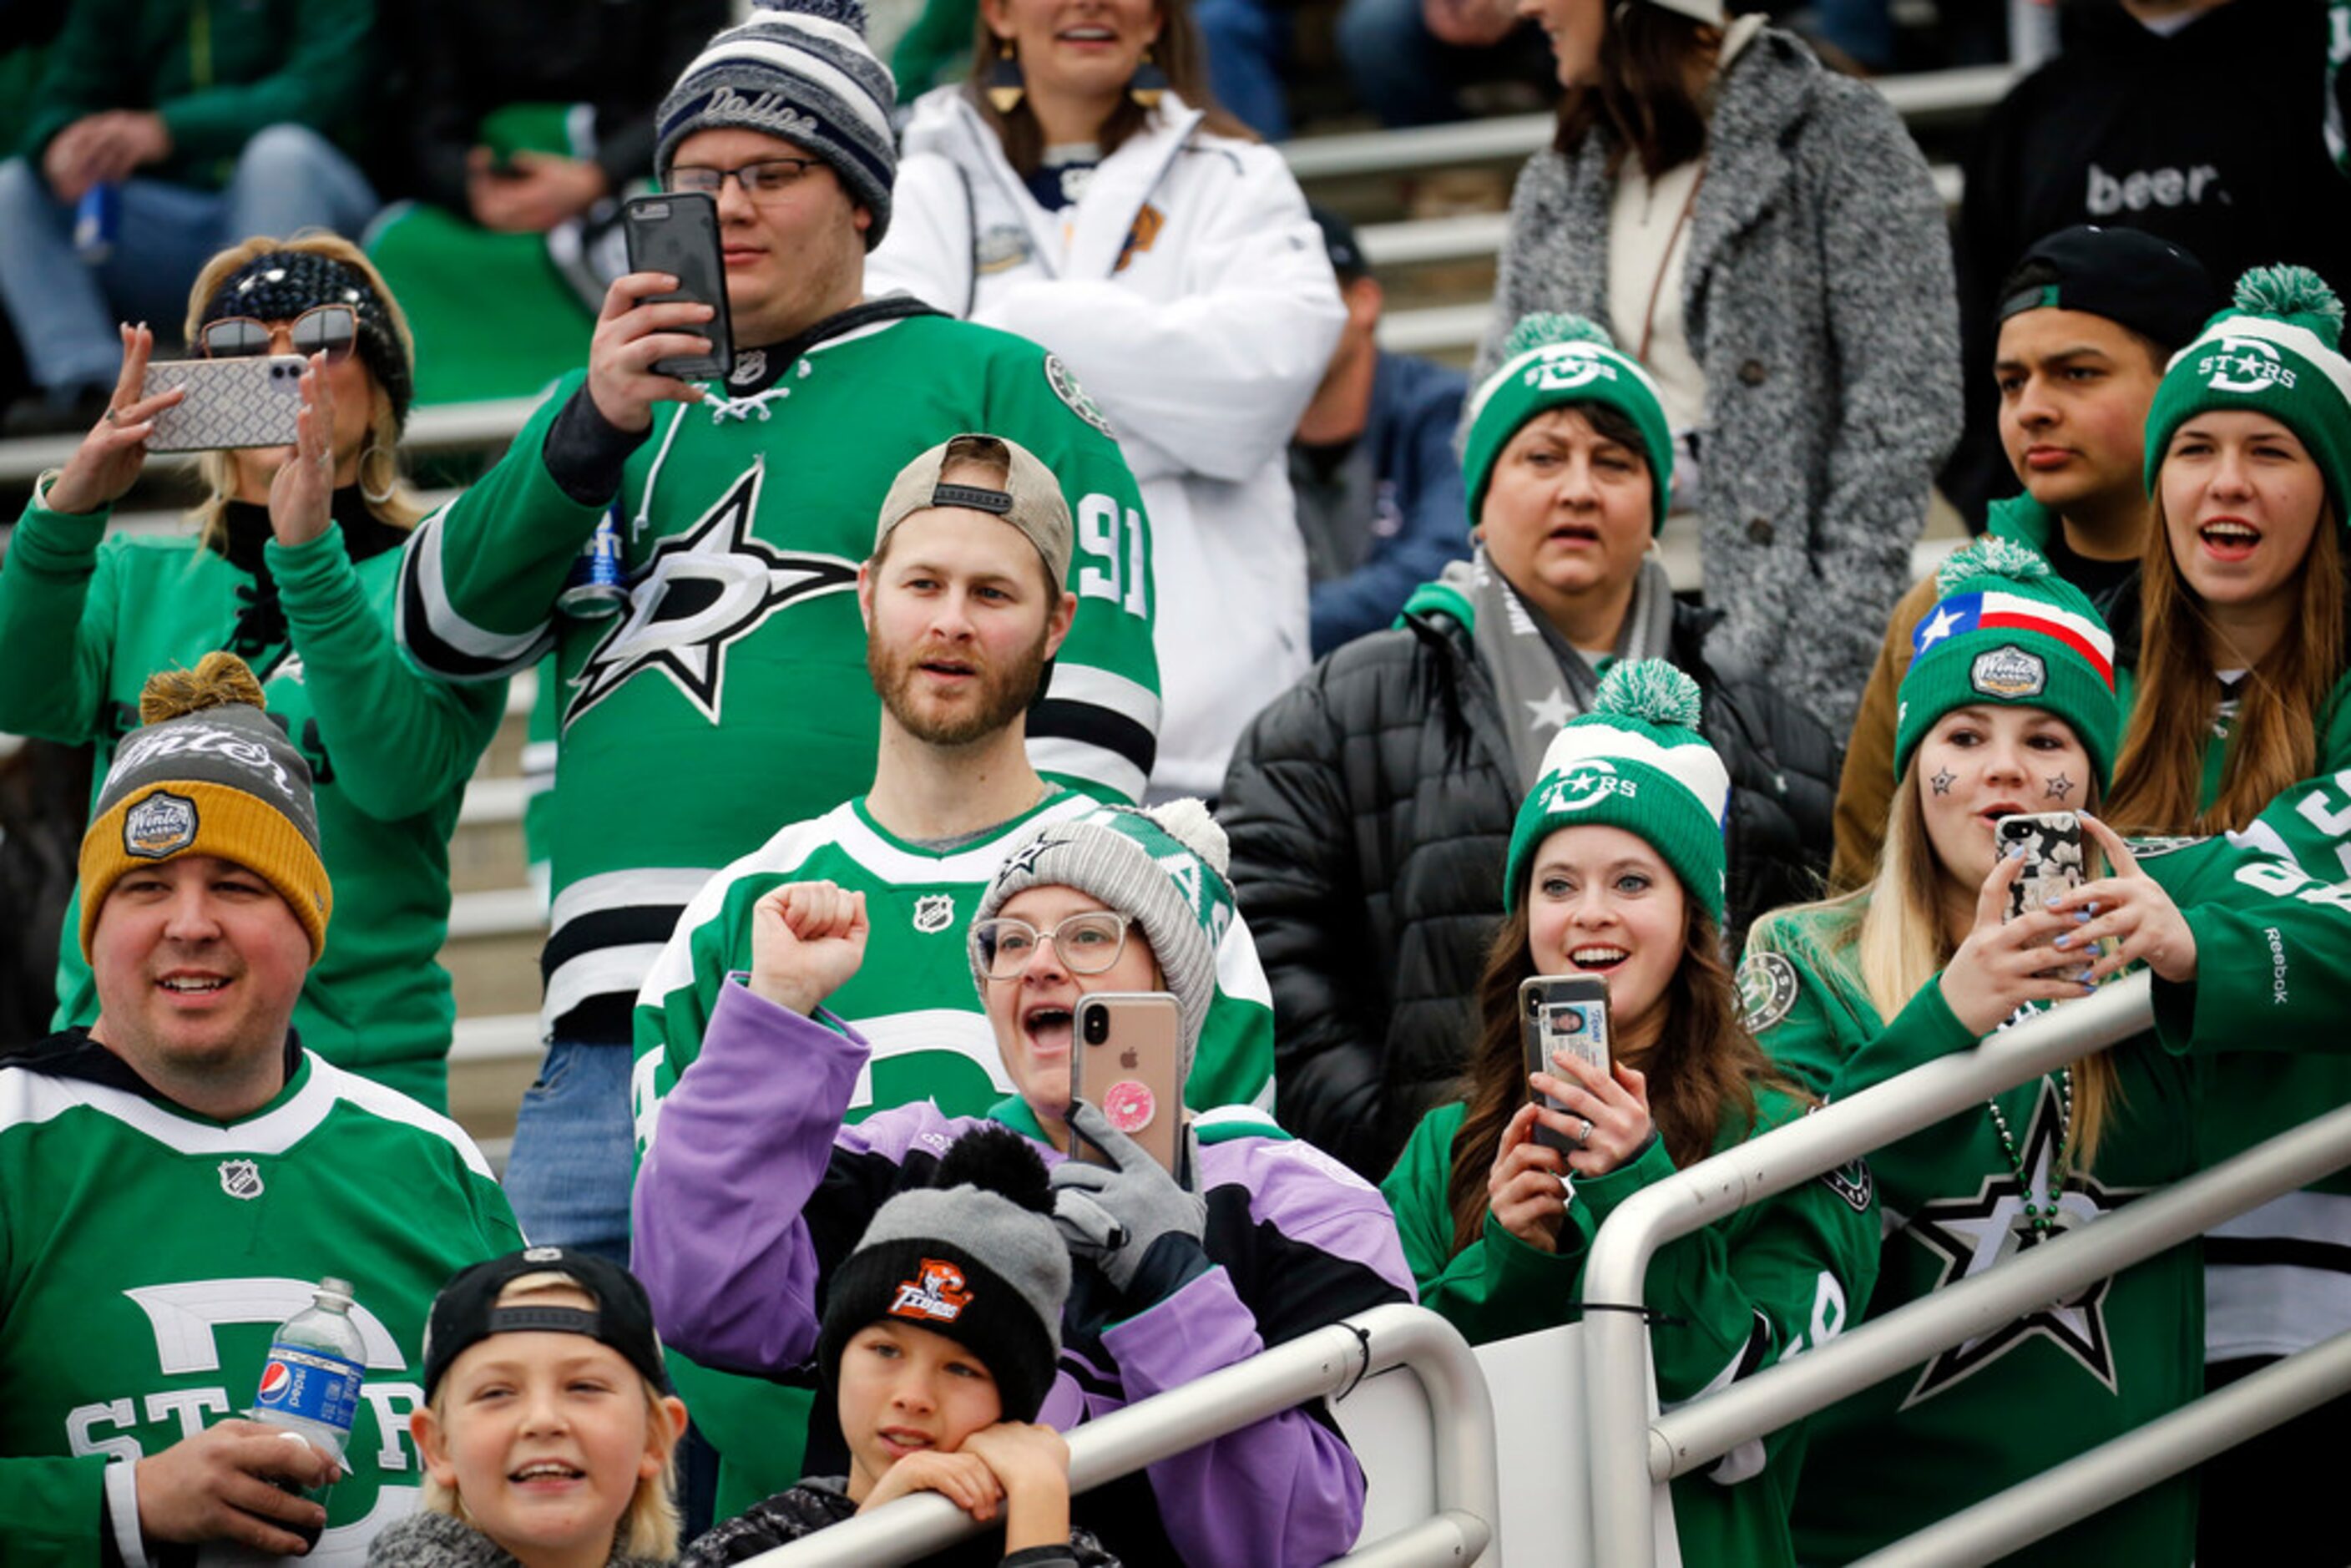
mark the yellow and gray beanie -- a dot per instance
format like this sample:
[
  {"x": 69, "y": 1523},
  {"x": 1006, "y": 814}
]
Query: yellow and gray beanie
[
  {"x": 2277, "y": 350},
  {"x": 1551, "y": 361},
  {"x": 208, "y": 774},
  {"x": 802, "y": 70},
  {"x": 2007, "y": 630},
  {"x": 1636, "y": 761}
]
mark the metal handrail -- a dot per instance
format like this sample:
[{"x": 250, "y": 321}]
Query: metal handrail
[
  {"x": 1616, "y": 1345},
  {"x": 1311, "y": 1366}
]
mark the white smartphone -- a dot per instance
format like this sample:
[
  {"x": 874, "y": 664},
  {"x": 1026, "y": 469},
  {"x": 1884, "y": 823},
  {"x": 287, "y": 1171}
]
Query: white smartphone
[{"x": 229, "y": 402}]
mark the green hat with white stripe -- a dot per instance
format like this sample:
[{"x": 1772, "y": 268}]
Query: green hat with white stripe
[
  {"x": 1636, "y": 761},
  {"x": 1551, "y": 361},
  {"x": 2277, "y": 350}
]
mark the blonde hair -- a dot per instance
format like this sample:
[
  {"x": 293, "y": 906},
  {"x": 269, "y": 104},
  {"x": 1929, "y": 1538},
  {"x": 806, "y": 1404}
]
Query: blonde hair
[
  {"x": 649, "y": 1528},
  {"x": 400, "y": 507},
  {"x": 1882, "y": 944}
]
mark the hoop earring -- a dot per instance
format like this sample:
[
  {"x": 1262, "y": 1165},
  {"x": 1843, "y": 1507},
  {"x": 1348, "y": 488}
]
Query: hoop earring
[
  {"x": 391, "y": 474},
  {"x": 1148, "y": 83},
  {"x": 1006, "y": 81}
]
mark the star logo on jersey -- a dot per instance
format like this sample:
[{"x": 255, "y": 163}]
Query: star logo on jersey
[
  {"x": 1972, "y": 1235},
  {"x": 240, "y": 1178},
  {"x": 700, "y": 592}
]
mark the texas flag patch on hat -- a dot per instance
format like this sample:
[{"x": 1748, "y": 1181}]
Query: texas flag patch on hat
[{"x": 1992, "y": 610}]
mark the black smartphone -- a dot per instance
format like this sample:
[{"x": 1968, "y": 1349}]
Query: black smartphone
[
  {"x": 677, "y": 231},
  {"x": 1563, "y": 1013}
]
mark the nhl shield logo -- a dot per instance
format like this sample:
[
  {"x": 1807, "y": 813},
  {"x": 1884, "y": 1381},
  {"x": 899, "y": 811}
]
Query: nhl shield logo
[
  {"x": 160, "y": 826},
  {"x": 240, "y": 1178},
  {"x": 934, "y": 913}
]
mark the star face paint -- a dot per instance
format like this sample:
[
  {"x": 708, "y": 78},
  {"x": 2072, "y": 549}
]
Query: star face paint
[
  {"x": 1943, "y": 782},
  {"x": 2057, "y": 788}
]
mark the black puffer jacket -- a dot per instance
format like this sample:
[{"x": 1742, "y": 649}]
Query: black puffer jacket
[{"x": 1370, "y": 809}]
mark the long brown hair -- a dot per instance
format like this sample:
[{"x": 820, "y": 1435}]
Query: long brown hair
[
  {"x": 1702, "y": 1072},
  {"x": 1643, "y": 94},
  {"x": 2159, "y": 778},
  {"x": 1178, "y": 52}
]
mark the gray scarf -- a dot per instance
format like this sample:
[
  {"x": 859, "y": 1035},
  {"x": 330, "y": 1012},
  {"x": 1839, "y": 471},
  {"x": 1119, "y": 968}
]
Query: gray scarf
[
  {"x": 437, "y": 1540},
  {"x": 1540, "y": 681}
]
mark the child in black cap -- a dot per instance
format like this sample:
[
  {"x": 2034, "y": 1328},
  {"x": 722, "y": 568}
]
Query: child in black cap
[
  {"x": 940, "y": 1339},
  {"x": 549, "y": 1426}
]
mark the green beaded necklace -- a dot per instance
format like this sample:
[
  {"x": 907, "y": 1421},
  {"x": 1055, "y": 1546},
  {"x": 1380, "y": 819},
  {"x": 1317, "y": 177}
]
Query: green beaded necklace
[{"x": 2040, "y": 1218}]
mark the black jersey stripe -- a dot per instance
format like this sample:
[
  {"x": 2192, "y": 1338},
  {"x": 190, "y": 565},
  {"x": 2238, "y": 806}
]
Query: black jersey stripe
[
  {"x": 2275, "y": 1251},
  {"x": 1090, "y": 724},
  {"x": 434, "y": 653}
]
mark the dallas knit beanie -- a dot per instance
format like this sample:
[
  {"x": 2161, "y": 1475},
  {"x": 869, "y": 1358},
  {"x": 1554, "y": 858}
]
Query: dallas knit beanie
[
  {"x": 208, "y": 774},
  {"x": 279, "y": 285},
  {"x": 1551, "y": 361},
  {"x": 1165, "y": 867},
  {"x": 975, "y": 1257},
  {"x": 2277, "y": 350},
  {"x": 802, "y": 70},
  {"x": 2007, "y": 630},
  {"x": 1636, "y": 761}
]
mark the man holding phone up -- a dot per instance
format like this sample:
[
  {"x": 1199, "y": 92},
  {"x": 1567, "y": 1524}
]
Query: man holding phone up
[
  {"x": 725, "y": 692},
  {"x": 753, "y": 1191}
]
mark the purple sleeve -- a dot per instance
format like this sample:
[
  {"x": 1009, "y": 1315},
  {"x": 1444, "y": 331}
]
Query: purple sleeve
[
  {"x": 1286, "y": 1490},
  {"x": 721, "y": 1242}
]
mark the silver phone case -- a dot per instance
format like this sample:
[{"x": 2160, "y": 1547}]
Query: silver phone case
[{"x": 229, "y": 402}]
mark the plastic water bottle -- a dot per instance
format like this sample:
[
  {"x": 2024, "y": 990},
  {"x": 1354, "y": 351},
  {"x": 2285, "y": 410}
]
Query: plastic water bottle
[{"x": 310, "y": 1384}]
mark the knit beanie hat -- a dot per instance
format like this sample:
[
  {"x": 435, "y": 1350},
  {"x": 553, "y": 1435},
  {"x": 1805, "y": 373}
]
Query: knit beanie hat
[
  {"x": 2007, "y": 629},
  {"x": 2277, "y": 350},
  {"x": 976, "y": 1257},
  {"x": 1165, "y": 867},
  {"x": 209, "y": 774},
  {"x": 1636, "y": 761},
  {"x": 800, "y": 69},
  {"x": 279, "y": 285},
  {"x": 1553, "y": 361}
]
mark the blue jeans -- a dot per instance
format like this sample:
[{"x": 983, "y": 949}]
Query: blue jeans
[
  {"x": 288, "y": 178},
  {"x": 569, "y": 1174},
  {"x": 1247, "y": 42}
]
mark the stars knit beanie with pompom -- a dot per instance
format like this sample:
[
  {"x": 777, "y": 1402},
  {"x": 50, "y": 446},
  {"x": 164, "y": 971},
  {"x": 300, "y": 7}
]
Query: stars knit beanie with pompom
[
  {"x": 1551, "y": 361},
  {"x": 1636, "y": 761},
  {"x": 2007, "y": 630},
  {"x": 2277, "y": 350}
]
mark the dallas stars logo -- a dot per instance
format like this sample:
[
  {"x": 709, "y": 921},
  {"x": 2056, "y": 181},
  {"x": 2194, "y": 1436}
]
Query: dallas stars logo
[
  {"x": 700, "y": 592},
  {"x": 1973, "y": 1234}
]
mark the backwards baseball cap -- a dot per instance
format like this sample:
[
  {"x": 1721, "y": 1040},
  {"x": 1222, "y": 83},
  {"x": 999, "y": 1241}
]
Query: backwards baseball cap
[
  {"x": 2132, "y": 278},
  {"x": 1635, "y": 761},
  {"x": 2277, "y": 349},
  {"x": 208, "y": 774},
  {"x": 1030, "y": 499},
  {"x": 801, "y": 70},
  {"x": 976, "y": 1257},
  {"x": 1339, "y": 243},
  {"x": 467, "y": 1312},
  {"x": 1553, "y": 360},
  {"x": 2007, "y": 630}
]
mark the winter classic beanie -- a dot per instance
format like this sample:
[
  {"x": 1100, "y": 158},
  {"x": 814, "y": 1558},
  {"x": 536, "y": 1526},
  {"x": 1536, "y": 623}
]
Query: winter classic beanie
[
  {"x": 2276, "y": 350},
  {"x": 209, "y": 774},
  {"x": 1635, "y": 761},
  {"x": 975, "y": 1257},
  {"x": 2007, "y": 629},
  {"x": 1165, "y": 867},
  {"x": 1556, "y": 361},
  {"x": 798, "y": 70}
]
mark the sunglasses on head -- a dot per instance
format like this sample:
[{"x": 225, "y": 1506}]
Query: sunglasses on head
[{"x": 330, "y": 330}]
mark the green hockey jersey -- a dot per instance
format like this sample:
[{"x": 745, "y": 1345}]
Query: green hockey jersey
[
  {"x": 1764, "y": 1284},
  {"x": 913, "y": 1000},
  {"x": 729, "y": 694},
  {"x": 389, "y": 754},
  {"x": 2274, "y": 971},
  {"x": 146, "y": 1254}
]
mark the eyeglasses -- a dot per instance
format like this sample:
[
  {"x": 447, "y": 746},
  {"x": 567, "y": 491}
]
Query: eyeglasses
[
  {"x": 330, "y": 330},
  {"x": 762, "y": 182},
  {"x": 1088, "y": 943}
]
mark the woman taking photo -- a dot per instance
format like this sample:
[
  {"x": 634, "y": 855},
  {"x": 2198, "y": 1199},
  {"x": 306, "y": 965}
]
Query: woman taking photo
[
  {"x": 2009, "y": 709},
  {"x": 1763, "y": 237},
  {"x": 1079, "y": 191},
  {"x": 290, "y": 567},
  {"x": 1371, "y": 804},
  {"x": 1616, "y": 870},
  {"x": 2241, "y": 663}
]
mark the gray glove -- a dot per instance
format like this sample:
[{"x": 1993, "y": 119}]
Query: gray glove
[{"x": 1112, "y": 1218}]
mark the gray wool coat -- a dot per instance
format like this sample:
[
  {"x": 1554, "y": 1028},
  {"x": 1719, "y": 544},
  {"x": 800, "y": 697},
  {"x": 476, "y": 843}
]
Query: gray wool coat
[{"x": 1819, "y": 299}]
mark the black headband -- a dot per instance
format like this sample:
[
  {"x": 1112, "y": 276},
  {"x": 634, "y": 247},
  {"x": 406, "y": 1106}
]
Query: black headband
[{"x": 279, "y": 285}]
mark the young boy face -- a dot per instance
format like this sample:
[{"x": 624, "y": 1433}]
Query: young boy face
[
  {"x": 905, "y": 1390},
  {"x": 2074, "y": 390},
  {"x": 544, "y": 1436}
]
